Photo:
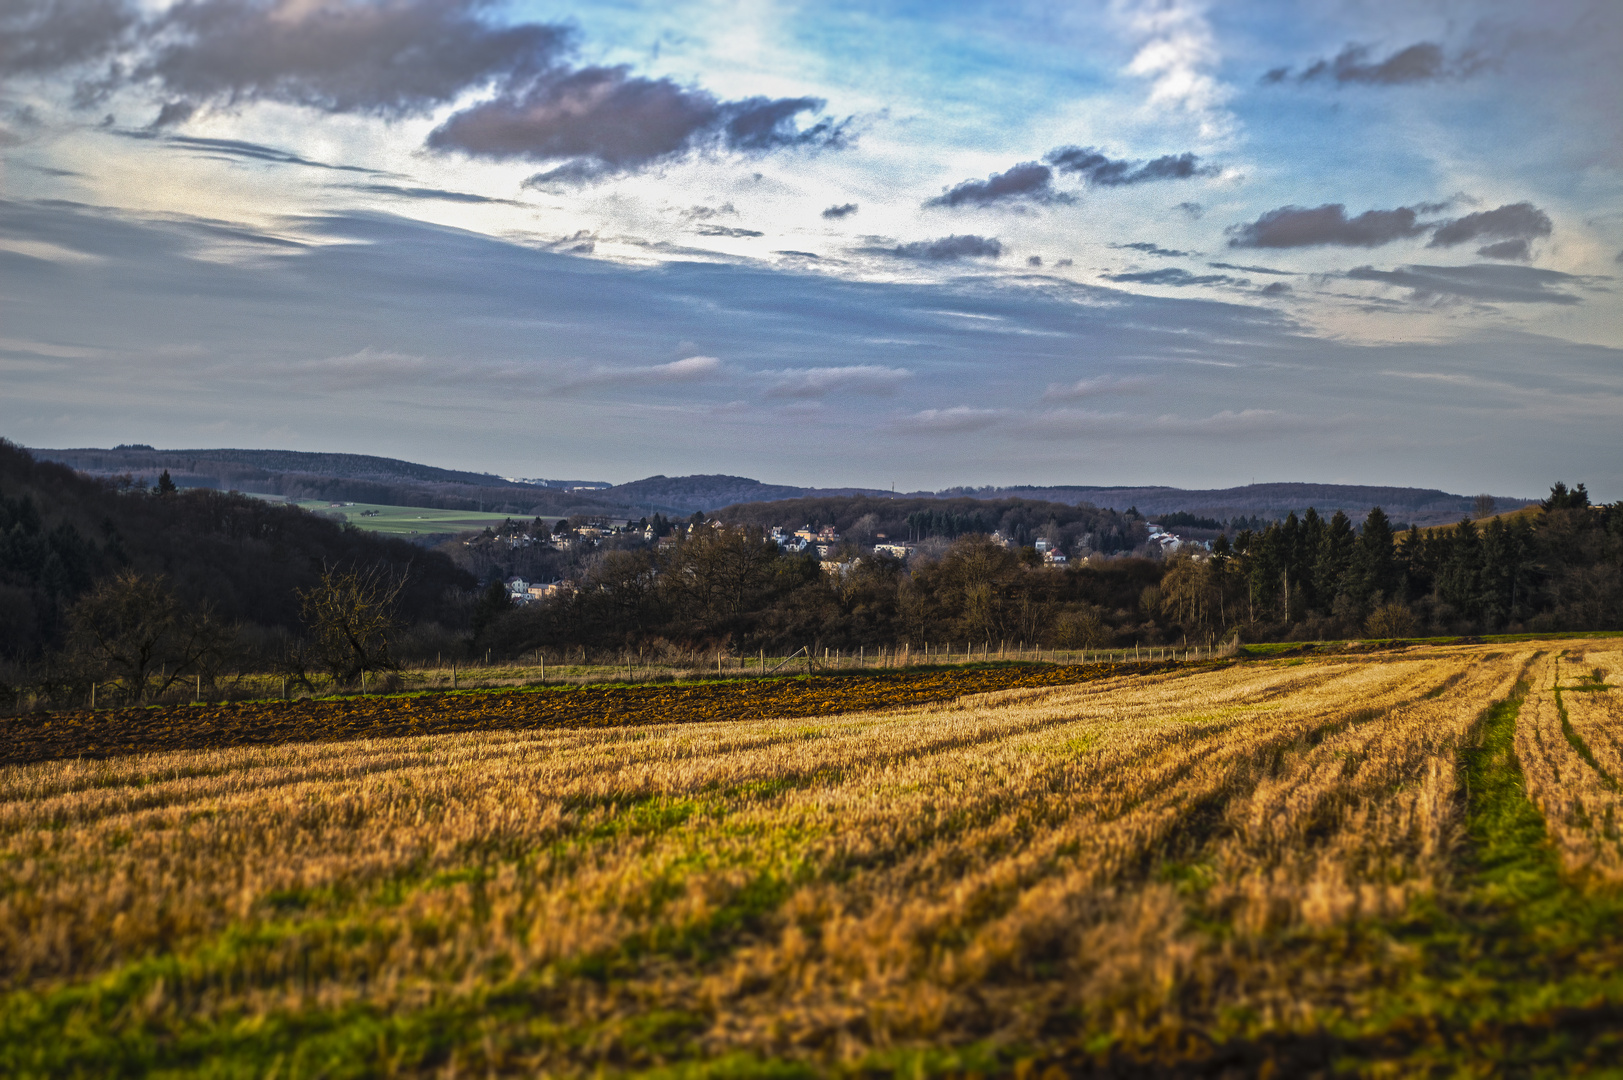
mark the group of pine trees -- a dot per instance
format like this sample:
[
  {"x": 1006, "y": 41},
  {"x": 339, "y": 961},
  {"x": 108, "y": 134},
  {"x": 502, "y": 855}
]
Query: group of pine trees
[{"x": 1558, "y": 568}]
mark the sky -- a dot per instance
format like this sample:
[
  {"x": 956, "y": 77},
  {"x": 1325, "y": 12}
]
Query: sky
[{"x": 921, "y": 245}]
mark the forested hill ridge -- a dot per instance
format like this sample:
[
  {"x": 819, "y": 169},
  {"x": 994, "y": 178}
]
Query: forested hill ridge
[
  {"x": 1420, "y": 506},
  {"x": 714, "y": 491},
  {"x": 341, "y": 477},
  {"x": 242, "y": 560},
  {"x": 367, "y": 478}
]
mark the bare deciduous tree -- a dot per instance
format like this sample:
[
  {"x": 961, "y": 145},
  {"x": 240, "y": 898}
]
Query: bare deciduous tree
[
  {"x": 135, "y": 629},
  {"x": 351, "y": 617}
]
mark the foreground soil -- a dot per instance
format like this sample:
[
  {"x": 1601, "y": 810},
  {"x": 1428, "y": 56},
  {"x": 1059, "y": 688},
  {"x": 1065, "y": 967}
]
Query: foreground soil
[{"x": 109, "y": 733}]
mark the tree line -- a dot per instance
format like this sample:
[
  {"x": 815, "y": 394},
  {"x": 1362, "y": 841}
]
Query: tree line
[
  {"x": 1303, "y": 578},
  {"x": 147, "y": 586},
  {"x": 99, "y": 579}
]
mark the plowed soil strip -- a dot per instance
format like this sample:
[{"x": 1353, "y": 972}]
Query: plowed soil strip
[{"x": 43, "y": 736}]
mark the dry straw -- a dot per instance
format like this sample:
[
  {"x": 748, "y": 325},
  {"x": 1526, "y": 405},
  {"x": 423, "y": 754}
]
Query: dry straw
[{"x": 1116, "y": 855}]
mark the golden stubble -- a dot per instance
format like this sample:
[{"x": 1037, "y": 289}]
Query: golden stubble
[
  {"x": 813, "y": 887},
  {"x": 1581, "y": 800}
]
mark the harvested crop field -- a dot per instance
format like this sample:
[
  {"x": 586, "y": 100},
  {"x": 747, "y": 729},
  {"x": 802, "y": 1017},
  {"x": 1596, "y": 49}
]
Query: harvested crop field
[
  {"x": 41, "y": 736},
  {"x": 1331, "y": 866}
]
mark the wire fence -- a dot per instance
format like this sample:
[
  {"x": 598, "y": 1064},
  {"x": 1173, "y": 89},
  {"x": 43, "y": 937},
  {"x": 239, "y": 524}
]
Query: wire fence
[{"x": 572, "y": 666}]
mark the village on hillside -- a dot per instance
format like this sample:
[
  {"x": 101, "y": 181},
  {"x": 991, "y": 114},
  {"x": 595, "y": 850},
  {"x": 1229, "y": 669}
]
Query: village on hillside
[{"x": 838, "y": 554}]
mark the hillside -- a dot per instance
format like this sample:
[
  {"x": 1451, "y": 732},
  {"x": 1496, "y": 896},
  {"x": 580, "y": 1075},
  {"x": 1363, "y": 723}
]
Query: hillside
[
  {"x": 712, "y": 492},
  {"x": 369, "y": 479},
  {"x": 1421, "y": 506},
  {"x": 346, "y": 477},
  {"x": 245, "y": 558}
]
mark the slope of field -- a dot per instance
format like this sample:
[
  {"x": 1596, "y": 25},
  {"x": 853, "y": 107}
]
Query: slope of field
[{"x": 1278, "y": 868}]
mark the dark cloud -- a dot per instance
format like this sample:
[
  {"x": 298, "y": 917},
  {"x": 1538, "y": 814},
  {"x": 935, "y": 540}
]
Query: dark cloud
[
  {"x": 1251, "y": 269},
  {"x": 1153, "y": 249},
  {"x": 1172, "y": 275},
  {"x": 1517, "y": 250},
  {"x": 1483, "y": 283},
  {"x": 798, "y": 254},
  {"x": 38, "y": 36},
  {"x": 1275, "y": 288},
  {"x": 603, "y": 121},
  {"x": 1192, "y": 210},
  {"x": 1101, "y": 171},
  {"x": 580, "y": 242},
  {"x": 1300, "y": 226},
  {"x": 434, "y": 194},
  {"x": 173, "y": 113},
  {"x": 398, "y": 58},
  {"x": 1417, "y": 63},
  {"x": 1514, "y": 225},
  {"x": 1421, "y": 62},
  {"x": 1034, "y": 260},
  {"x": 705, "y": 213},
  {"x": 843, "y": 210},
  {"x": 724, "y": 230},
  {"x": 946, "y": 249},
  {"x": 1028, "y": 181},
  {"x": 394, "y": 57}
]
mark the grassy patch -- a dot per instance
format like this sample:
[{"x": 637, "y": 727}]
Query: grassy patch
[{"x": 1516, "y": 967}]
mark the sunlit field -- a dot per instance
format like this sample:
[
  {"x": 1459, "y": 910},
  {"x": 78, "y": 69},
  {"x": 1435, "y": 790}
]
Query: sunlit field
[{"x": 1393, "y": 863}]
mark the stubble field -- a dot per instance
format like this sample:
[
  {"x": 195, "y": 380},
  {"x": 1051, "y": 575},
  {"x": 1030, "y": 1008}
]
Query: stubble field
[{"x": 1402, "y": 863}]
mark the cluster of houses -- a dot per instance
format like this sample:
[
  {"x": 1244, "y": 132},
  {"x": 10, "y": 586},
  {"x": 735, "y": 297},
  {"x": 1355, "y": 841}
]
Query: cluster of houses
[{"x": 824, "y": 541}]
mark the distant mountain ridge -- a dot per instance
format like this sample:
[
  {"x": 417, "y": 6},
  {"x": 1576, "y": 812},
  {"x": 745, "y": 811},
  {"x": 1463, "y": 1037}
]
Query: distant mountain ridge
[
  {"x": 299, "y": 474},
  {"x": 1419, "y": 506},
  {"x": 714, "y": 491},
  {"x": 368, "y": 478}
]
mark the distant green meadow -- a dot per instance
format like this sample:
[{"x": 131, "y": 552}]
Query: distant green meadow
[{"x": 406, "y": 520}]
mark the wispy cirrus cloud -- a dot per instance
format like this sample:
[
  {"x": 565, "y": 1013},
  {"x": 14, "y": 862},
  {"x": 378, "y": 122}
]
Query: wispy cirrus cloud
[
  {"x": 1482, "y": 283},
  {"x": 1153, "y": 249},
  {"x": 1097, "y": 386},
  {"x": 958, "y": 418},
  {"x": 1179, "y": 54},
  {"x": 815, "y": 382},
  {"x": 1175, "y": 276},
  {"x": 689, "y": 369}
]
